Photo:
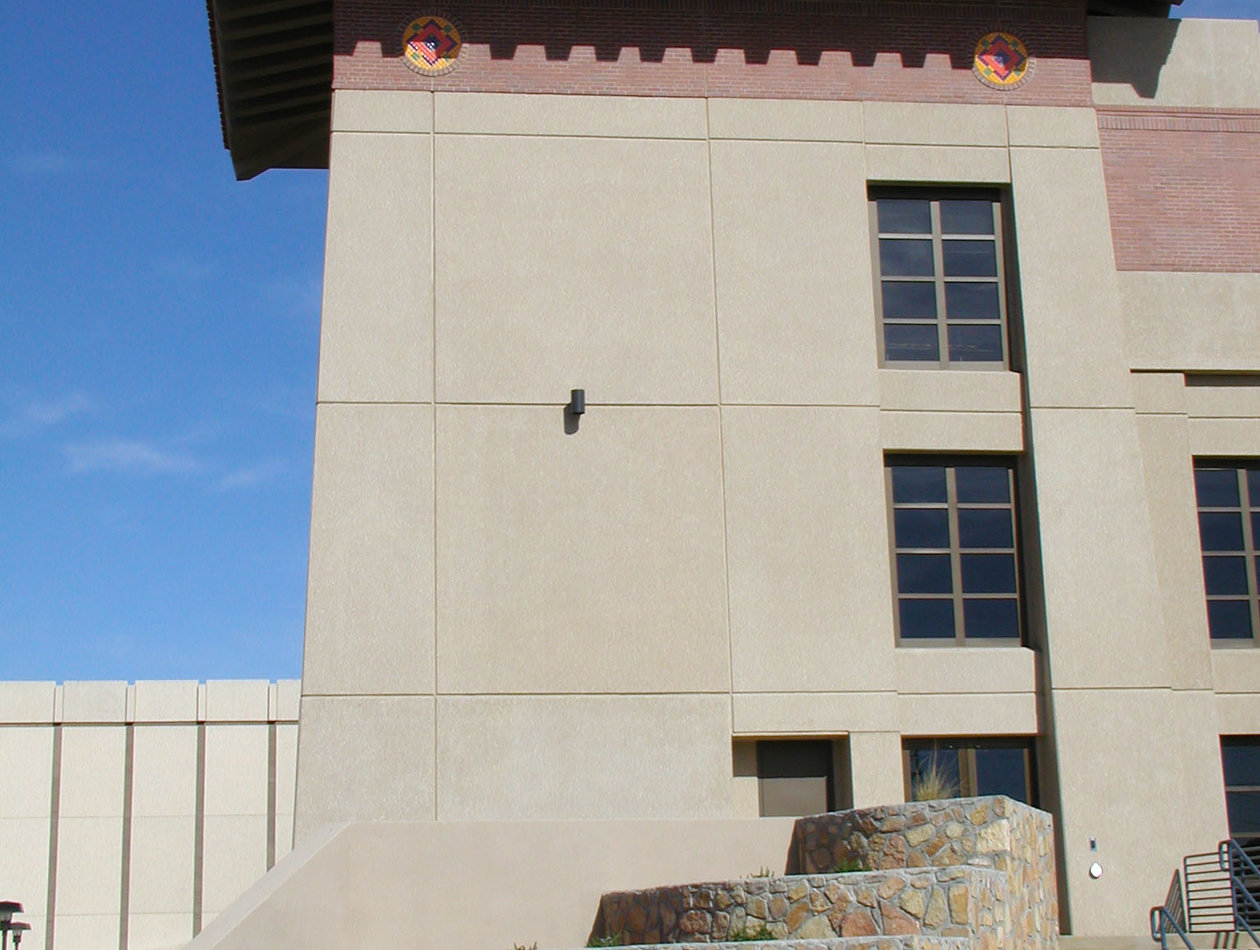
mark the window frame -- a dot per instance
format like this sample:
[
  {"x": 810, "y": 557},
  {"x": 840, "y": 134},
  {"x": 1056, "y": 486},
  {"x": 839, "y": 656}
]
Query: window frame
[
  {"x": 1249, "y": 840},
  {"x": 1248, "y": 509},
  {"x": 966, "y": 748},
  {"x": 1003, "y": 240},
  {"x": 951, "y": 463}
]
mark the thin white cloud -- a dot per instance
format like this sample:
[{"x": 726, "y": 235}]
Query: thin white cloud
[
  {"x": 35, "y": 415},
  {"x": 295, "y": 296},
  {"x": 51, "y": 162},
  {"x": 251, "y": 476},
  {"x": 127, "y": 457},
  {"x": 183, "y": 268}
]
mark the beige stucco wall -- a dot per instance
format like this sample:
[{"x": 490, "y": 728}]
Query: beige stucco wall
[
  {"x": 1202, "y": 63},
  {"x": 574, "y": 618},
  {"x": 138, "y": 812}
]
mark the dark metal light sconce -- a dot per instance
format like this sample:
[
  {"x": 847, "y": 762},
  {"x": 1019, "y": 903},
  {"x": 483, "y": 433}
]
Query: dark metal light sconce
[{"x": 577, "y": 401}]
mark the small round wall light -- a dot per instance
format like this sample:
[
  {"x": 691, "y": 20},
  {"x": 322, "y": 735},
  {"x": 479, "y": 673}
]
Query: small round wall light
[{"x": 1095, "y": 870}]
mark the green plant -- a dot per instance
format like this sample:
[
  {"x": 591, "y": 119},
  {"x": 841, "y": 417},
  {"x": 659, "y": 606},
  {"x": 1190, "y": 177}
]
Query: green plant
[
  {"x": 848, "y": 864},
  {"x": 763, "y": 872},
  {"x": 933, "y": 783},
  {"x": 608, "y": 940},
  {"x": 521, "y": 946},
  {"x": 748, "y": 934}
]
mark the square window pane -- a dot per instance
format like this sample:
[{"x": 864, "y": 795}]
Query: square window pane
[
  {"x": 1002, "y": 772},
  {"x": 985, "y": 528},
  {"x": 918, "y": 484},
  {"x": 1244, "y": 812},
  {"x": 988, "y": 573},
  {"x": 967, "y": 216},
  {"x": 983, "y": 483},
  {"x": 975, "y": 343},
  {"x": 972, "y": 301},
  {"x": 924, "y": 574},
  {"x": 1221, "y": 530},
  {"x": 905, "y": 258},
  {"x": 1216, "y": 488},
  {"x": 904, "y": 215},
  {"x": 926, "y": 619},
  {"x": 1229, "y": 619},
  {"x": 1253, "y": 486},
  {"x": 969, "y": 258},
  {"x": 1240, "y": 760},
  {"x": 1225, "y": 575},
  {"x": 996, "y": 617},
  {"x": 933, "y": 772},
  {"x": 910, "y": 341},
  {"x": 921, "y": 527},
  {"x": 910, "y": 299}
]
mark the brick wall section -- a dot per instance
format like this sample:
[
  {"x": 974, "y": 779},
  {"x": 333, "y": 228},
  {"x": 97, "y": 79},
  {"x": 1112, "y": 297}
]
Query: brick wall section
[
  {"x": 776, "y": 49},
  {"x": 1182, "y": 188}
]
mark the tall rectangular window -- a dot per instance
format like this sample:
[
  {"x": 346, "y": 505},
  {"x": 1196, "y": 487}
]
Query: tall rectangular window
[
  {"x": 942, "y": 298},
  {"x": 1240, "y": 761},
  {"x": 1229, "y": 526},
  {"x": 955, "y": 560}
]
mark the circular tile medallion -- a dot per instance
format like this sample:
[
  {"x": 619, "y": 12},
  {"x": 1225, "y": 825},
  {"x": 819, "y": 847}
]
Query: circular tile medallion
[
  {"x": 431, "y": 45},
  {"x": 1001, "y": 60}
]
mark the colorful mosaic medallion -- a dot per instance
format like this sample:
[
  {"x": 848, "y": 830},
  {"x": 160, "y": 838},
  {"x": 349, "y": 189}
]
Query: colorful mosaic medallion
[
  {"x": 1002, "y": 60},
  {"x": 431, "y": 44}
]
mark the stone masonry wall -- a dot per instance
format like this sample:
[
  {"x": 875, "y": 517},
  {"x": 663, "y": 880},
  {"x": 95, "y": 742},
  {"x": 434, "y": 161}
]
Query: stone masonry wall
[
  {"x": 842, "y": 943},
  {"x": 993, "y": 832},
  {"x": 937, "y": 902}
]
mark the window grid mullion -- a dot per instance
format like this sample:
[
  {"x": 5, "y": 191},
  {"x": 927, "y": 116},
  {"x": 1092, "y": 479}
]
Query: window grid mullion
[
  {"x": 955, "y": 554},
  {"x": 1019, "y": 592},
  {"x": 1249, "y": 552},
  {"x": 967, "y": 772},
  {"x": 938, "y": 277},
  {"x": 999, "y": 254},
  {"x": 892, "y": 533}
]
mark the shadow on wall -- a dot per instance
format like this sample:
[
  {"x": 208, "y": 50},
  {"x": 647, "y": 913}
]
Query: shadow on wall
[
  {"x": 862, "y": 31},
  {"x": 1130, "y": 51}
]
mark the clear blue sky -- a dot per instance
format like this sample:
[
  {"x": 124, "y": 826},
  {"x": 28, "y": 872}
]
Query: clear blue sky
[{"x": 158, "y": 345}]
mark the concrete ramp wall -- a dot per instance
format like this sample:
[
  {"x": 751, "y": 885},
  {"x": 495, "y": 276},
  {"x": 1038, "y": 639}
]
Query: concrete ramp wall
[{"x": 477, "y": 885}]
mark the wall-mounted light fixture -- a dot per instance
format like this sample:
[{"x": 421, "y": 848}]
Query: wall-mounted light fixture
[{"x": 577, "y": 401}]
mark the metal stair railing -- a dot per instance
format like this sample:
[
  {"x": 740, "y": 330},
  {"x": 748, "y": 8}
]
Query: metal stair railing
[
  {"x": 1244, "y": 881},
  {"x": 1170, "y": 917},
  {"x": 1209, "y": 894}
]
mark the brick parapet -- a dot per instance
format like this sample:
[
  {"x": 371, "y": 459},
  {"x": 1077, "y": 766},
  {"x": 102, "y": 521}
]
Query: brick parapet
[{"x": 843, "y": 49}]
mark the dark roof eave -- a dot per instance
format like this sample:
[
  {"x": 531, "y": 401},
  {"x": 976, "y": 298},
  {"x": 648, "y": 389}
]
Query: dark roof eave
[{"x": 273, "y": 75}]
